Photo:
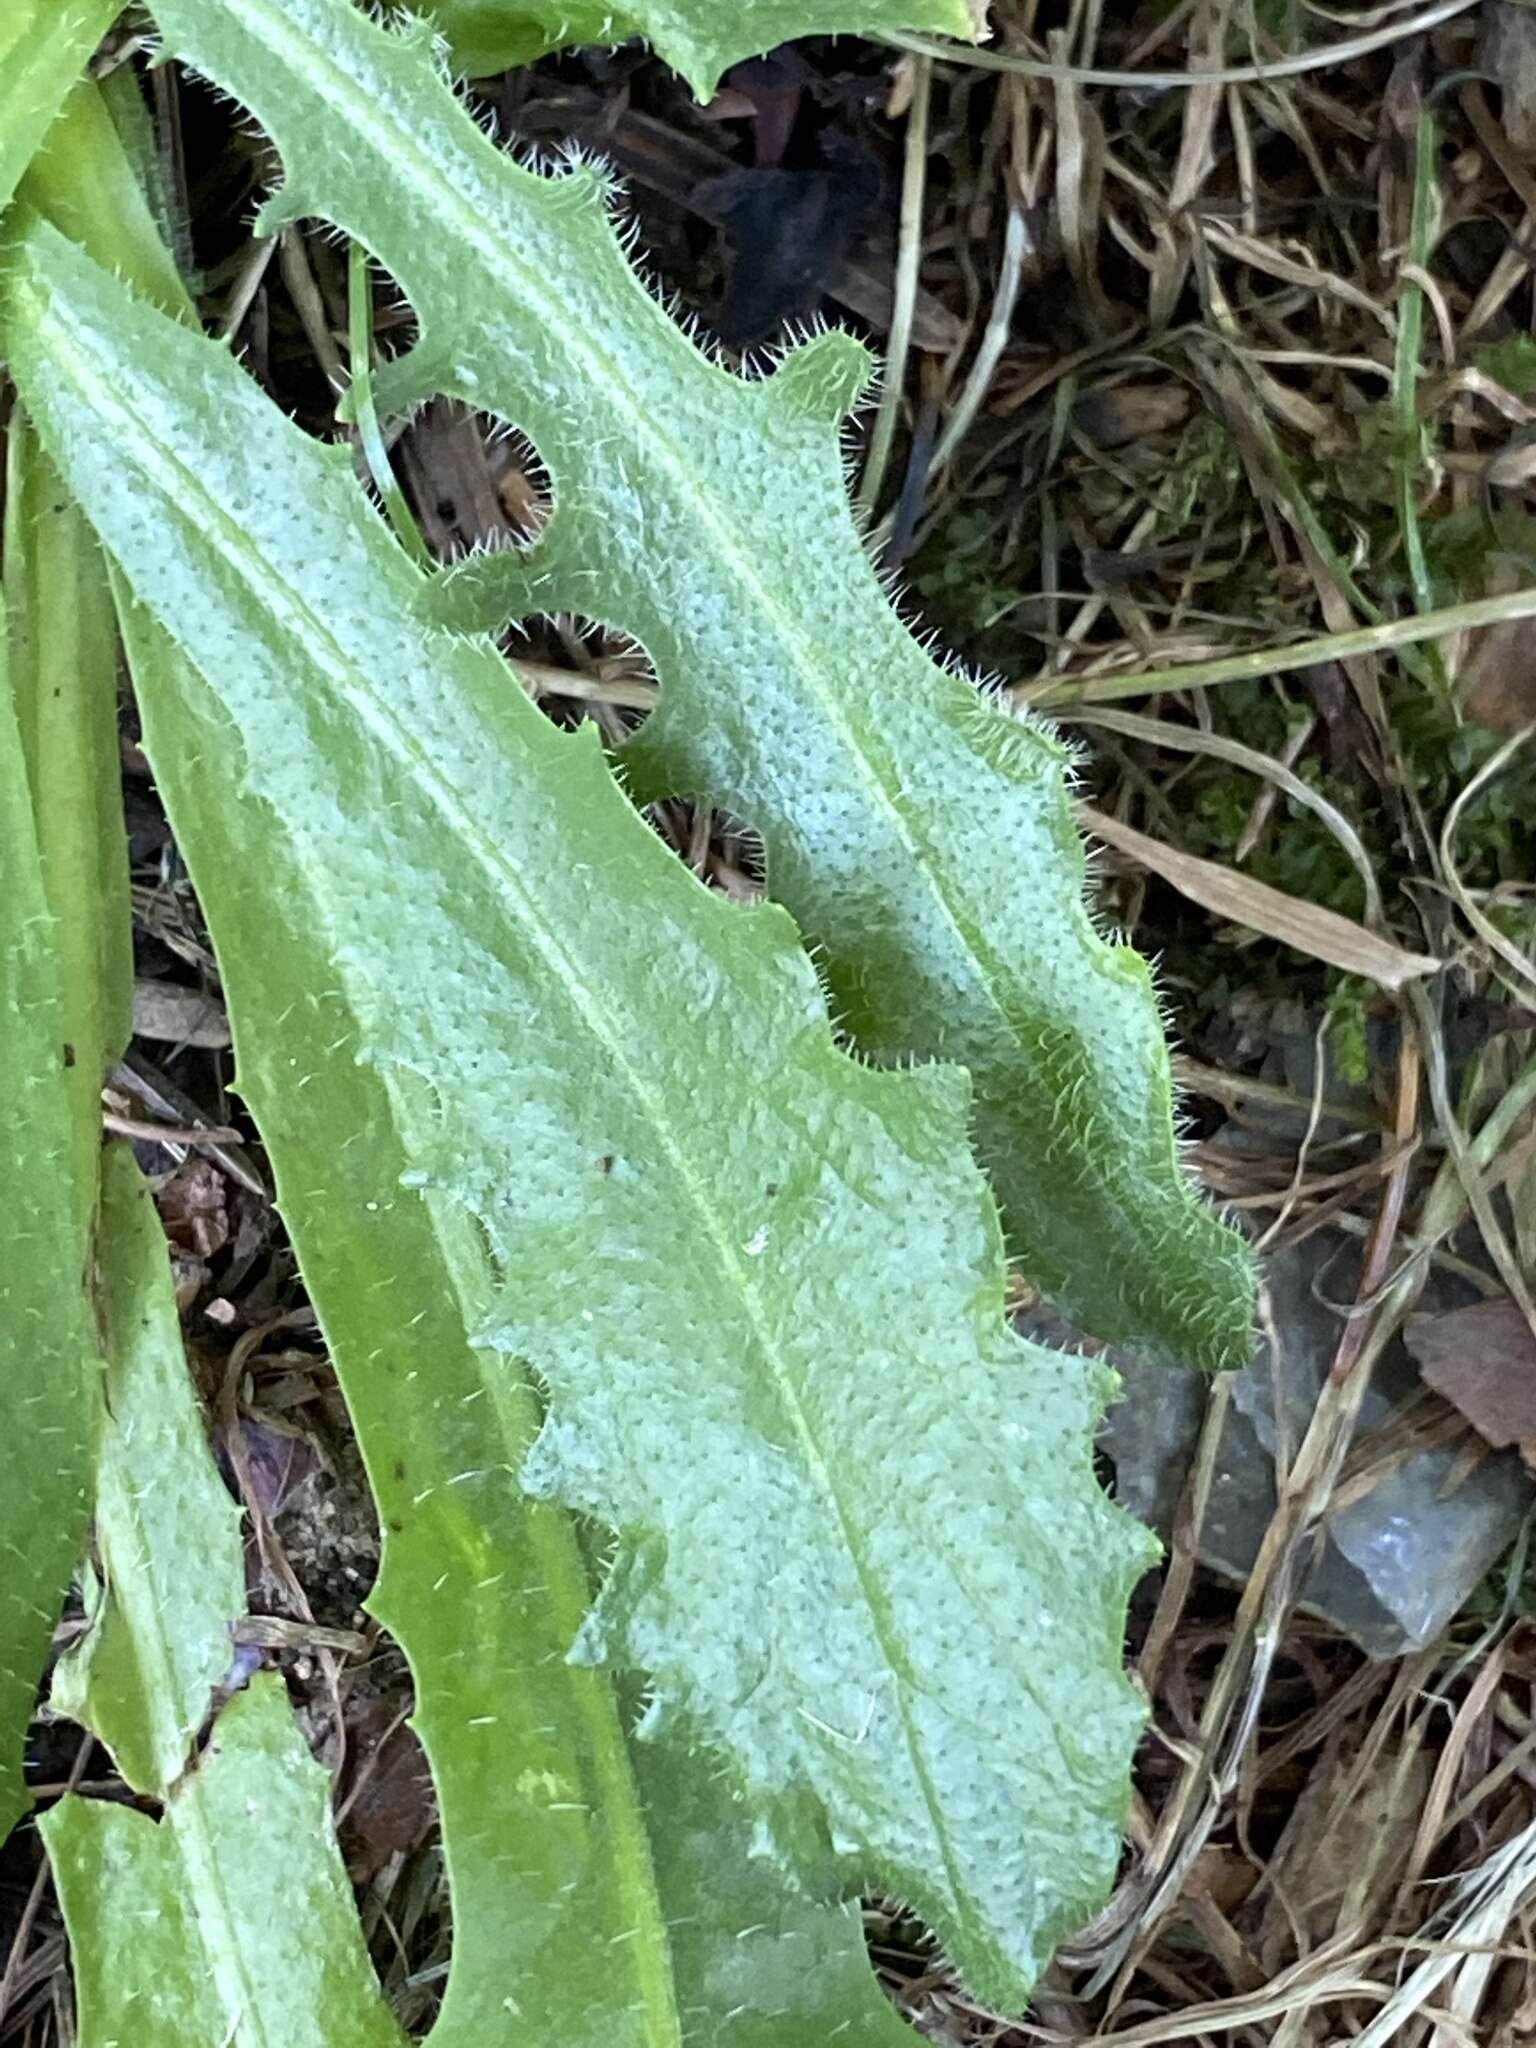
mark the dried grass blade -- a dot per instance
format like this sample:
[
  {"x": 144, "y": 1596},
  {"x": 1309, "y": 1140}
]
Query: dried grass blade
[
  {"x": 1157, "y": 732},
  {"x": 1323, "y": 934},
  {"x": 1050, "y": 692}
]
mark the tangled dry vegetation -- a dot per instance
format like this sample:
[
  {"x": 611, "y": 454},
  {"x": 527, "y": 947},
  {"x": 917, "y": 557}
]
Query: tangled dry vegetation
[
  {"x": 1196, "y": 350},
  {"x": 1247, "y": 362}
]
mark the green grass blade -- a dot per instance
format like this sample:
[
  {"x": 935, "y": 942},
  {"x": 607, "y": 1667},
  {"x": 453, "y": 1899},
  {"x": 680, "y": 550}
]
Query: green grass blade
[
  {"x": 229, "y": 1922},
  {"x": 861, "y": 1548},
  {"x": 923, "y": 842},
  {"x": 44, "y": 47},
  {"x": 170, "y": 1576},
  {"x": 699, "y": 38}
]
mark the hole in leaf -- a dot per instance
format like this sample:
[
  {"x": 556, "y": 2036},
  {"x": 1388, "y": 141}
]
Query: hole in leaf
[
  {"x": 580, "y": 669},
  {"x": 723, "y": 850},
  {"x": 724, "y": 853},
  {"x": 577, "y": 668},
  {"x": 308, "y": 325},
  {"x": 474, "y": 481}
]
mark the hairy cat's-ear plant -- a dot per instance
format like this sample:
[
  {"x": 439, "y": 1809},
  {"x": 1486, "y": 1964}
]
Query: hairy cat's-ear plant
[
  {"x": 923, "y": 842},
  {"x": 646, "y": 1884},
  {"x": 860, "y": 1550}
]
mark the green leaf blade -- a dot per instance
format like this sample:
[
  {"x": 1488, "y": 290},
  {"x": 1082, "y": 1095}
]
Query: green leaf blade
[
  {"x": 923, "y": 842},
  {"x": 47, "y": 1346},
  {"x": 84, "y": 180},
  {"x": 828, "y": 1498},
  {"x": 545, "y": 1849},
  {"x": 756, "y": 1965},
  {"x": 65, "y": 958},
  {"x": 44, "y": 47},
  {"x": 484, "y": 1590},
  {"x": 699, "y": 38},
  {"x": 63, "y": 679},
  {"x": 230, "y": 1920},
  {"x": 167, "y": 1532}
]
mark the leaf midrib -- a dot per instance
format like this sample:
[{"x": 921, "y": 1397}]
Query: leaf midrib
[{"x": 183, "y": 489}]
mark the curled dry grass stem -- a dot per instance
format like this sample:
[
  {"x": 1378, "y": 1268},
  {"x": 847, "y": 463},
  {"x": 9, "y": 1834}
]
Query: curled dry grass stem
[
  {"x": 1298, "y": 1183},
  {"x": 1198, "y": 1077},
  {"x": 1519, "y": 963},
  {"x": 1321, "y": 59},
  {"x": 978, "y": 380},
  {"x": 1468, "y": 1168},
  {"x": 1405, "y": 373}
]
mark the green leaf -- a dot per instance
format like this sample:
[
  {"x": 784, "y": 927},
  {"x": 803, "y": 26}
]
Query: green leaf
[
  {"x": 505, "y": 1722},
  {"x": 171, "y": 1573},
  {"x": 861, "y": 1548},
  {"x": 1510, "y": 362},
  {"x": 229, "y": 1923},
  {"x": 755, "y": 1965},
  {"x": 570, "y": 1883},
  {"x": 44, "y": 47},
  {"x": 65, "y": 961},
  {"x": 47, "y": 1347},
  {"x": 63, "y": 670},
  {"x": 699, "y": 38},
  {"x": 923, "y": 842},
  {"x": 231, "y": 1920},
  {"x": 84, "y": 180}
]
